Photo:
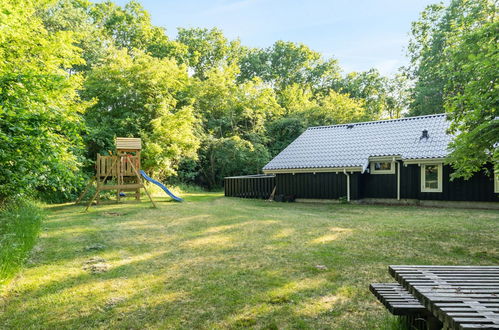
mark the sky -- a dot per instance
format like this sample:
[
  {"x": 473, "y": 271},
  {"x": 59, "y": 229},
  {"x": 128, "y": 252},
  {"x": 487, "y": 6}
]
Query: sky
[{"x": 360, "y": 34}]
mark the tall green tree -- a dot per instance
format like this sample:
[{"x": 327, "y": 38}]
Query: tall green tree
[
  {"x": 224, "y": 157},
  {"x": 40, "y": 126},
  {"x": 73, "y": 16},
  {"x": 282, "y": 131},
  {"x": 431, "y": 36},
  {"x": 454, "y": 58},
  {"x": 227, "y": 108},
  {"x": 296, "y": 98},
  {"x": 472, "y": 99},
  {"x": 130, "y": 27},
  {"x": 208, "y": 49},
  {"x": 287, "y": 63},
  {"x": 138, "y": 95},
  {"x": 335, "y": 108},
  {"x": 377, "y": 92}
]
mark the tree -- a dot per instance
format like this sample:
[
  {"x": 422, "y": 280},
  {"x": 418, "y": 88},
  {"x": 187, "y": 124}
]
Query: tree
[
  {"x": 232, "y": 116},
  {"x": 335, "y": 108},
  {"x": 282, "y": 131},
  {"x": 138, "y": 95},
  {"x": 73, "y": 16},
  {"x": 454, "y": 60},
  {"x": 208, "y": 49},
  {"x": 130, "y": 27},
  {"x": 377, "y": 92},
  {"x": 431, "y": 35},
  {"x": 398, "y": 96},
  {"x": 472, "y": 100},
  {"x": 224, "y": 157},
  {"x": 286, "y": 63},
  {"x": 228, "y": 108},
  {"x": 295, "y": 99},
  {"x": 40, "y": 108},
  {"x": 172, "y": 140}
]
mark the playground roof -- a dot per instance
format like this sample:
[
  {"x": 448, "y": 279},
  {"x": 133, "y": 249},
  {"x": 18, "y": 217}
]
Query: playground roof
[{"x": 128, "y": 143}]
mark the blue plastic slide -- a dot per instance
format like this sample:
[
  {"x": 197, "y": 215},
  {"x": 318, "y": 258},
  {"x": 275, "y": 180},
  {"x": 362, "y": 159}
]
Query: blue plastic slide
[{"x": 159, "y": 184}]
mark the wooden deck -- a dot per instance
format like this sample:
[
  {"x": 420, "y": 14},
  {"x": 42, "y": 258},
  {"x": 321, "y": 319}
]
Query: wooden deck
[{"x": 461, "y": 297}]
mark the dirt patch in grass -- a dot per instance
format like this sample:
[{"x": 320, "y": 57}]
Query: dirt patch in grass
[{"x": 96, "y": 265}]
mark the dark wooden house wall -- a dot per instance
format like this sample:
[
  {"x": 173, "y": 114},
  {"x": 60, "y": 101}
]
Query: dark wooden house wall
[
  {"x": 318, "y": 185},
  {"x": 333, "y": 186},
  {"x": 378, "y": 185},
  {"x": 479, "y": 187}
]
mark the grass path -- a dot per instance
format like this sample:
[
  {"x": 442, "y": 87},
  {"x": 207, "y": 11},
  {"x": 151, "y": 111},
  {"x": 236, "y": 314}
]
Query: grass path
[{"x": 215, "y": 262}]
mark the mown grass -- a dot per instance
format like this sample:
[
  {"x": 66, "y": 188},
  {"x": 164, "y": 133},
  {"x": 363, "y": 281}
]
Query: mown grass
[
  {"x": 216, "y": 262},
  {"x": 19, "y": 228}
]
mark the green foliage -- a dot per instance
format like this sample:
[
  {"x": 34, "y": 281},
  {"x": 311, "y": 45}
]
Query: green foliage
[
  {"x": 230, "y": 156},
  {"x": 130, "y": 27},
  {"x": 472, "y": 100},
  {"x": 335, "y": 108},
  {"x": 439, "y": 28},
  {"x": 19, "y": 228},
  {"x": 137, "y": 95},
  {"x": 286, "y": 63},
  {"x": 228, "y": 108},
  {"x": 74, "y": 16},
  {"x": 383, "y": 97},
  {"x": 424, "y": 51},
  {"x": 171, "y": 140},
  {"x": 281, "y": 132},
  {"x": 208, "y": 49},
  {"x": 40, "y": 108},
  {"x": 455, "y": 60},
  {"x": 472, "y": 150}
]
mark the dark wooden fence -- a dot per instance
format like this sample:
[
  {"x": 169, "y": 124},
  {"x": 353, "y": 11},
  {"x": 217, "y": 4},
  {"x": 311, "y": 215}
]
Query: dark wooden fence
[{"x": 249, "y": 186}]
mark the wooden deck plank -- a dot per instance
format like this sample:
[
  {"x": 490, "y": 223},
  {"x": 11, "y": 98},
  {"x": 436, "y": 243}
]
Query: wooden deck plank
[{"x": 396, "y": 299}]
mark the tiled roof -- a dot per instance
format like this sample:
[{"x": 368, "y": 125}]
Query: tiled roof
[{"x": 351, "y": 145}]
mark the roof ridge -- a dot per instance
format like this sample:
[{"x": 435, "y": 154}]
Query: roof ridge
[{"x": 379, "y": 121}]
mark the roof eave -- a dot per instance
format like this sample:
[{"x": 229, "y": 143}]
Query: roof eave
[
  {"x": 314, "y": 170},
  {"x": 409, "y": 161}
]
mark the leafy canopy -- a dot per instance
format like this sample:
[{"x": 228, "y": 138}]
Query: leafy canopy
[
  {"x": 137, "y": 95},
  {"x": 40, "y": 123}
]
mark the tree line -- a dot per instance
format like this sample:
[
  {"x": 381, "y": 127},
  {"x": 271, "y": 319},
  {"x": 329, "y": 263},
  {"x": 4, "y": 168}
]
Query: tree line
[{"x": 75, "y": 74}]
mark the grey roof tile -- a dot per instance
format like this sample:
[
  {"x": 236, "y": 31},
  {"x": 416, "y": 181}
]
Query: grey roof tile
[{"x": 340, "y": 146}]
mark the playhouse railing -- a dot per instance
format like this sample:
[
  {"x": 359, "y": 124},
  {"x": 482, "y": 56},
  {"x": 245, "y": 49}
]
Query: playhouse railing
[{"x": 113, "y": 166}]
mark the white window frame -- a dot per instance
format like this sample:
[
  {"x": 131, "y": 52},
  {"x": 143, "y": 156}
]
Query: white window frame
[
  {"x": 373, "y": 170},
  {"x": 496, "y": 182},
  {"x": 439, "y": 178}
]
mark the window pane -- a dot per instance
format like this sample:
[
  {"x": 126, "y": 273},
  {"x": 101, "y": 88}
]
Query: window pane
[
  {"x": 383, "y": 166},
  {"x": 431, "y": 177}
]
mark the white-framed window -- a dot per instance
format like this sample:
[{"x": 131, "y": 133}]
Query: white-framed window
[
  {"x": 431, "y": 178},
  {"x": 496, "y": 182},
  {"x": 382, "y": 167}
]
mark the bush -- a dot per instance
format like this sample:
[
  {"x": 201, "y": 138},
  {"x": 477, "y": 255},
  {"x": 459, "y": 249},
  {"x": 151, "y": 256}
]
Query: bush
[{"x": 19, "y": 227}]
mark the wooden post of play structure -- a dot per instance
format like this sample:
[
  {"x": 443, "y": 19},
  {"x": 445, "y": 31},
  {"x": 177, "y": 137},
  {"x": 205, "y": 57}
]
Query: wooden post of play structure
[{"x": 120, "y": 172}]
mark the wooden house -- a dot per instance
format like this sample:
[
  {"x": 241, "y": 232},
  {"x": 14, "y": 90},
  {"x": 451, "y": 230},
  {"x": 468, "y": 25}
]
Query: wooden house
[{"x": 386, "y": 161}]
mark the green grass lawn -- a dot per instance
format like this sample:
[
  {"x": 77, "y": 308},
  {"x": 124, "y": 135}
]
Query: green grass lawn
[{"x": 216, "y": 262}]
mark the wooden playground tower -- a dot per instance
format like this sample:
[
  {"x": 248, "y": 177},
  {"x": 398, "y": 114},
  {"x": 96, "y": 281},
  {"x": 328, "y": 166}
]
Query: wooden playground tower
[{"x": 120, "y": 172}]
